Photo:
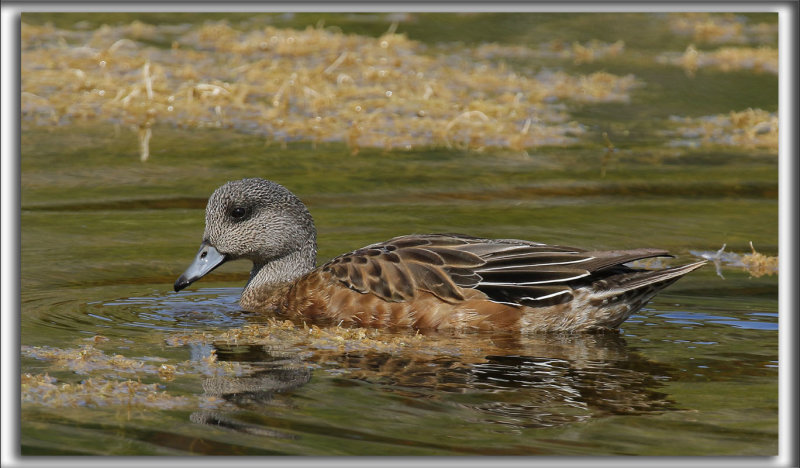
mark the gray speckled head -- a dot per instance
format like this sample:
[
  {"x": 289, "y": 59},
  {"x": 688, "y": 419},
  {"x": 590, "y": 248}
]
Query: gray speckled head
[
  {"x": 261, "y": 221},
  {"x": 257, "y": 219}
]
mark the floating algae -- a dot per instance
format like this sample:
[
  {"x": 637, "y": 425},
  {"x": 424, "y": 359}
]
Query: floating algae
[
  {"x": 315, "y": 84},
  {"x": 750, "y": 128},
  {"x": 41, "y": 389},
  {"x": 89, "y": 360},
  {"x": 758, "y": 264},
  {"x": 577, "y": 52},
  {"x": 722, "y": 29},
  {"x": 755, "y": 263},
  {"x": 759, "y": 60}
]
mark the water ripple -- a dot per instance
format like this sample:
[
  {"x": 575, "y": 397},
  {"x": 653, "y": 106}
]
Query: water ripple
[
  {"x": 202, "y": 308},
  {"x": 697, "y": 318}
]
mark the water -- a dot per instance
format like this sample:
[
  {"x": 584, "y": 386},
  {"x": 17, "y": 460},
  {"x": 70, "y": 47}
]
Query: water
[{"x": 104, "y": 237}]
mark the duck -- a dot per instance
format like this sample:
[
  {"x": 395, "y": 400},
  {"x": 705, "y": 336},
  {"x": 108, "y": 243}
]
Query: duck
[{"x": 422, "y": 281}]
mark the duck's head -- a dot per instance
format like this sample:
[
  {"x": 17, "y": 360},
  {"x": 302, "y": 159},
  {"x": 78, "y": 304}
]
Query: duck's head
[{"x": 258, "y": 220}]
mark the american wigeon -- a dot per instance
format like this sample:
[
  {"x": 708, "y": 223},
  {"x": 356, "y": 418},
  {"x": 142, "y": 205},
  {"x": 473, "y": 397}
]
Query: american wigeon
[{"x": 430, "y": 281}]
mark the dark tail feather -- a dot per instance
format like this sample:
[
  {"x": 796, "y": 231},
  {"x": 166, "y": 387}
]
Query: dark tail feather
[
  {"x": 657, "y": 279},
  {"x": 636, "y": 290}
]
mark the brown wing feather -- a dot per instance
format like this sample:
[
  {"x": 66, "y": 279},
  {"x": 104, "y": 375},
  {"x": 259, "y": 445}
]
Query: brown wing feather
[
  {"x": 419, "y": 255},
  {"x": 510, "y": 271},
  {"x": 433, "y": 279},
  {"x": 394, "y": 270}
]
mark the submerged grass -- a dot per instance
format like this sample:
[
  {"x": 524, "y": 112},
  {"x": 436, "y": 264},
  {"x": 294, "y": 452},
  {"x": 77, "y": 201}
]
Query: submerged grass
[
  {"x": 726, "y": 28},
  {"x": 726, "y": 59},
  {"x": 755, "y": 263},
  {"x": 750, "y": 128},
  {"x": 319, "y": 84},
  {"x": 87, "y": 360},
  {"x": 758, "y": 264},
  {"x": 313, "y": 84},
  {"x": 116, "y": 380},
  {"x": 44, "y": 390}
]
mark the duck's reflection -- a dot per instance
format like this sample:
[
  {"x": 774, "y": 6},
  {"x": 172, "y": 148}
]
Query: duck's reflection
[
  {"x": 271, "y": 372},
  {"x": 516, "y": 381}
]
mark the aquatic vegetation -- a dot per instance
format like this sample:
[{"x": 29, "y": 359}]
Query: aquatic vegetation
[
  {"x": 110, "y": 382},
  {"x": 42, "y": 389},
  {"x": 107, "y": 387},
  {"x": 758, "y": 264},
  {"x": 610, "y": 149},
  {"x": 758, "y": 60},
  {"x": 211, "y": 366},
  {"x": 314, "y": 84},
  {"x": 750, "y": 128},
  {"x": 722, "y": 29},
  {"x": 755, "y": 263},
  {"x": 577, "y": 52},
  {"x": 89, "y": 360},
  {"x": 314, "y": 342},
  {"x": 166, "y": 371},
  {"x": 285, "y": 333},
  {"x": 183, "y": 339}
]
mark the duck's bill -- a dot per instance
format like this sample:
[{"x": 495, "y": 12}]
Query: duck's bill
[{"x": 206, "y": 260}]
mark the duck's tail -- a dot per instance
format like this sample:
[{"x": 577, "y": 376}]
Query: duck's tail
[
  {"x": 618, "y": 296},
  {"x": 654, "y": 279}
]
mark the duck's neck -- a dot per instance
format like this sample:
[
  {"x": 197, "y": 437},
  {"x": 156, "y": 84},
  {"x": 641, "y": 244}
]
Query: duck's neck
[{"x": 267, "y": 279}]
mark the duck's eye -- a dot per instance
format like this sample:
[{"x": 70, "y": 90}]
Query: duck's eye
[{"x": 239, "y": 213}]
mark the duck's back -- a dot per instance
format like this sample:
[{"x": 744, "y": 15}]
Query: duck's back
[{"x": 442, "y": 281}]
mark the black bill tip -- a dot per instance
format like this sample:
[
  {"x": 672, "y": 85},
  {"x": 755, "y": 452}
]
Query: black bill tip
[
  {"x": 206, "y": 260},
  {"x": 181, "y": 283}
]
